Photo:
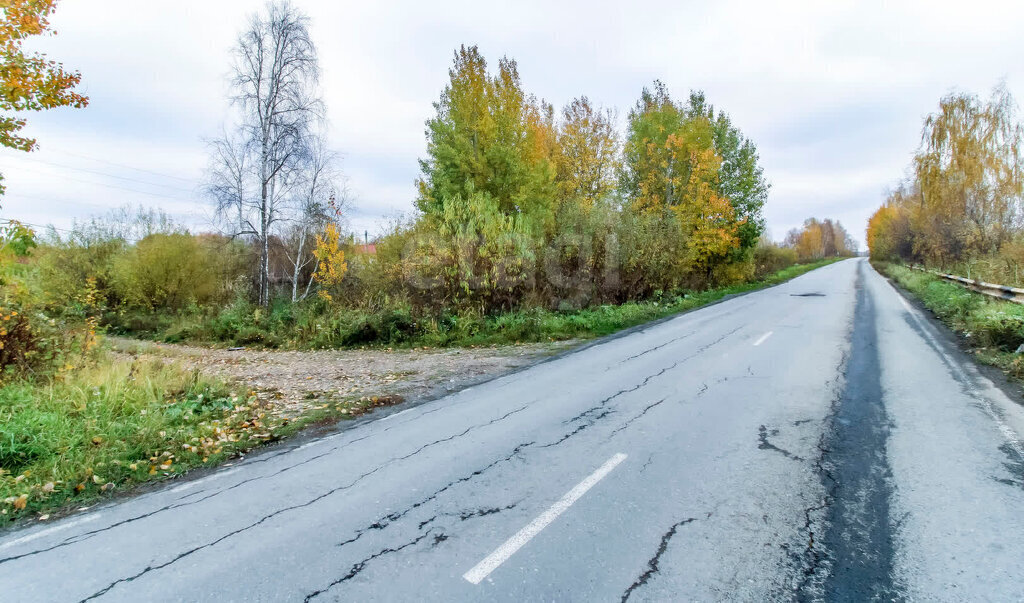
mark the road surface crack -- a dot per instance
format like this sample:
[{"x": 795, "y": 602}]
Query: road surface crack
[
  {"x": 814, "y": 557},
  {"x": 653, "y": 562},
  {"x": 599, "y": 410},
  {"x": 657, "y": 347},
  {"x": 468, "y": 514},
  {"x": 359, "y": 566},
  {"x": 308, "y": 503},
  {"x": 604, "y": 402},
  {"x": 579, "y": 428},
  {"x": 390, "y": 518},
  {"x": 641, "y": 413}
]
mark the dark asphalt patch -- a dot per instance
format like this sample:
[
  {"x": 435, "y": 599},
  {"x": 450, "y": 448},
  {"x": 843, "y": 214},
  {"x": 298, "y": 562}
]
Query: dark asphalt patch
[
  {"x": 858, "y": 541},
  {"x": 763, "y": 433},
  {"x": 815, "y": 294},
  {"x": 1014, "y": 466}
]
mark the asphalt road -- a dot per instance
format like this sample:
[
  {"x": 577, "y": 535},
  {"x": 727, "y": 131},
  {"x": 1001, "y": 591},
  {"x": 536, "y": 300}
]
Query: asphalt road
[{"x": 820, "y": 440}]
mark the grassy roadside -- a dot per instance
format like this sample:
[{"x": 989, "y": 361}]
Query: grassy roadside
[
  {"x": 288, "y": 326},
  {"x": 993, "y": 328},
  {"x": 117, "y": 422}
]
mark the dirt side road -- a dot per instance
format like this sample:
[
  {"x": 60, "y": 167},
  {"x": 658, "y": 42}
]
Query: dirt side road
[{"x": 298, "y": 380}]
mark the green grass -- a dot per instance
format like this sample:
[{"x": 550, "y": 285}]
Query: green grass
[
  {"x": 993, "y": 328},
  {"x": 100, "y": 429},
  {"x": 312, "y": 326}
]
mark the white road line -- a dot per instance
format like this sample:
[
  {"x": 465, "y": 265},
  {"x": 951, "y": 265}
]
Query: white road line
[
  {"x": 192, "y": 484},
  {"x": 48, "y": 531},
  {"x": 762, "y": 338},
  {"x": 903, "y": 301},
  {"x": 502, "y": 553},
  {"x": 393, "y": 415}
]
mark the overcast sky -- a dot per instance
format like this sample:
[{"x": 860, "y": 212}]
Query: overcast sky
[{"x": 833, "y": 93}]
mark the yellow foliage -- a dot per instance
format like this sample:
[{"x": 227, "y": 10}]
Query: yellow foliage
[
  {"x": 29, "y": 82},
  {"x": 586, "y": 155},
  {"x": 331, "y": 265}
]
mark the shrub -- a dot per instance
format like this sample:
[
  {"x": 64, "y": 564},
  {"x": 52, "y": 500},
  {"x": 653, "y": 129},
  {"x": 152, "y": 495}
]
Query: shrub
[
  {"x": 769, "y": 258},
  {"x": 171, "y": 271}
]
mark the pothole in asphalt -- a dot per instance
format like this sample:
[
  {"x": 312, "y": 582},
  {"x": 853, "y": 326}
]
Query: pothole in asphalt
[{"x": 812, "y": 294}]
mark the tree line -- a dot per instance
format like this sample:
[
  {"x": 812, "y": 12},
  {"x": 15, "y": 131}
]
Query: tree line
[
  {"x": 960, "y": 205},
  {"x": 518, "y": 206},
  {"x": 516, "y": 202}
]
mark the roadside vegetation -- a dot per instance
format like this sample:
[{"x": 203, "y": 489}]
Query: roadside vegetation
[
  {"x": 993, "y": 328},
  {"x": 116, "y": 422},
  {"x": 530, "y": 224},
  {"x": 317, "y": 325},
  {"x": 960, "y": 211},
  {"x": 960, "y": 208}
]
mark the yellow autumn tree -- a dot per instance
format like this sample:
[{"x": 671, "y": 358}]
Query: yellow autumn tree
[
  {"x": 671, "y": 166},
  {"x": 330, "y": 260},
  {"x": 587, "y": 154},
  {"x": 970, "y": 176},
  {"x": 709, "y": 215}
]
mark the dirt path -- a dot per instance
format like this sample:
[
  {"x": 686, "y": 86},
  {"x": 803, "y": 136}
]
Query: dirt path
[{"x": 298, "y": 380}]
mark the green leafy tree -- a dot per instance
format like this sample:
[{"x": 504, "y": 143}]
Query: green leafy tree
[
  {"x": 489, "y": 138},
  {"x": 740, "y": 177}
]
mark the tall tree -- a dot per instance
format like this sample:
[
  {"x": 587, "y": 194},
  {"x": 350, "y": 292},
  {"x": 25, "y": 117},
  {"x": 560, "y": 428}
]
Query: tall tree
[
  {"x": 655, "y": 161},
  {"x": 969, "y": 175},
  {"x": 29, "y": 82},
  {"x": 740, "y": 177},
  {"x": 276, "y": 72},
  {"x": 670, "y": 164},
  {"x": 488, "y": 138},
  {"x": 587, "y": 152}
]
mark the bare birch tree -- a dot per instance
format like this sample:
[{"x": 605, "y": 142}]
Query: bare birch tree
[
  {"x": 227, "y": 181},
  {"x": 317, "y": 195},
  {"x": 274, "y": 84}
]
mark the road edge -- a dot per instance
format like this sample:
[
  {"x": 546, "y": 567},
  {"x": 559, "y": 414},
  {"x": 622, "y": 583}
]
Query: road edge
[{"x": 958, "y": 346}]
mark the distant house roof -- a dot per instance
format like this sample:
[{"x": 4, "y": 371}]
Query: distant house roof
[{"x": 368, "y": 249}]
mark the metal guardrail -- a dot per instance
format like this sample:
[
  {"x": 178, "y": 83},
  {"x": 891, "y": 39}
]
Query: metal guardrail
[{"x": 1013, "y": 294}]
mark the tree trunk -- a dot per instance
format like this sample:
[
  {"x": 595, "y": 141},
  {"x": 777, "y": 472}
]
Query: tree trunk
[
  {"x": 309, "y": 283},
  {"x": 297, "y": 265},
  {"x": 264, "y": 288}
]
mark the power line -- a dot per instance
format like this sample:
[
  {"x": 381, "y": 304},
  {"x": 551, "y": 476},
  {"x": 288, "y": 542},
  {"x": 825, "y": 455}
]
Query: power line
[
  {"x": 127, "y": 167},
  {"x": 47, "y": 226},
  {"x": 131, "y": 190},
  {"x": 104, "y": 174}
]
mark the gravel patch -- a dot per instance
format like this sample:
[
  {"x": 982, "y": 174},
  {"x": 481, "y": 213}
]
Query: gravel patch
[{"x": 295, "y": 381}]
